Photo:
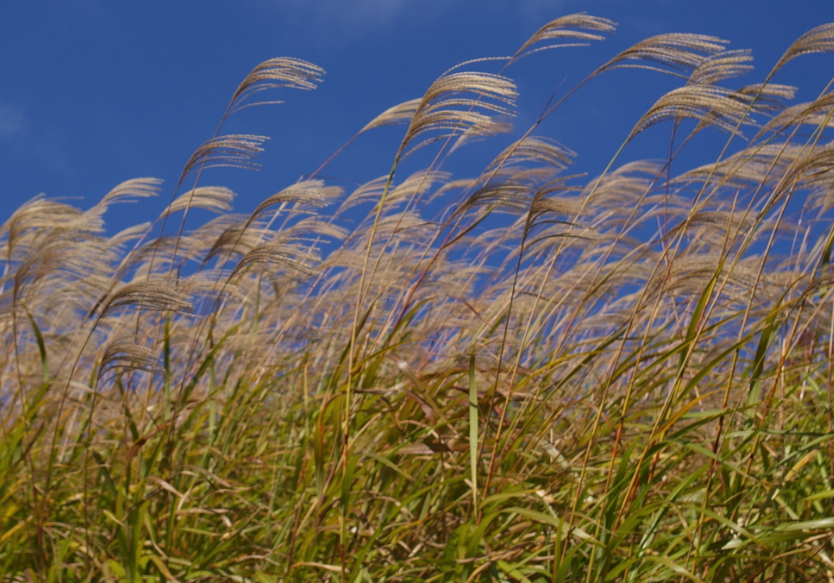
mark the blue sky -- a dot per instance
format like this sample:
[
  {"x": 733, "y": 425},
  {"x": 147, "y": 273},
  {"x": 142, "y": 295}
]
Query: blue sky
[{"x": 93, "y": 93}]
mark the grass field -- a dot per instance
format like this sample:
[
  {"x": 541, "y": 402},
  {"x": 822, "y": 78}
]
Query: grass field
[{"x": 523, "y": 375}]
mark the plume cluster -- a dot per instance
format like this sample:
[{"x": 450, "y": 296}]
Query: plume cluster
[{"x": 554, "y": 377}]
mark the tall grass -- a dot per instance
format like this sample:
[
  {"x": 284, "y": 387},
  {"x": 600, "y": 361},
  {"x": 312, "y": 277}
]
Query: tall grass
[{"x": 524, "y": 375}]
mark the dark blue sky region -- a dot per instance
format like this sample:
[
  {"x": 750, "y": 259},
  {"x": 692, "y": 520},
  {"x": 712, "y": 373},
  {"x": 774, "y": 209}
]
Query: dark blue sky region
[{"x": 93, "y": 93}]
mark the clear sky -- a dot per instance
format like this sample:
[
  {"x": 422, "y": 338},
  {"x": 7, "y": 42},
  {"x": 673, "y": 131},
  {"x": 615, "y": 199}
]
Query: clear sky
[{"x": 94, "y": 92}]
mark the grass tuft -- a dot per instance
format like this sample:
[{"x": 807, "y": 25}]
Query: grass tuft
[{"x": 523, "y": 375}]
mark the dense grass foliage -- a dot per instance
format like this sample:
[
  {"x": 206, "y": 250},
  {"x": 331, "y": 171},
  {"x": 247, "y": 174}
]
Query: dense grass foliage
[{"x": 525, "y": 375}]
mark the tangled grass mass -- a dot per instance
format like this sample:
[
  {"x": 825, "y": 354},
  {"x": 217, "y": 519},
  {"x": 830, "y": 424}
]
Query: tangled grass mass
[{"x": 526, "y": 375}]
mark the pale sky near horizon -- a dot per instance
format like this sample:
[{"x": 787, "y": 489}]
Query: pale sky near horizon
[{"x": 93, "y": 93}]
